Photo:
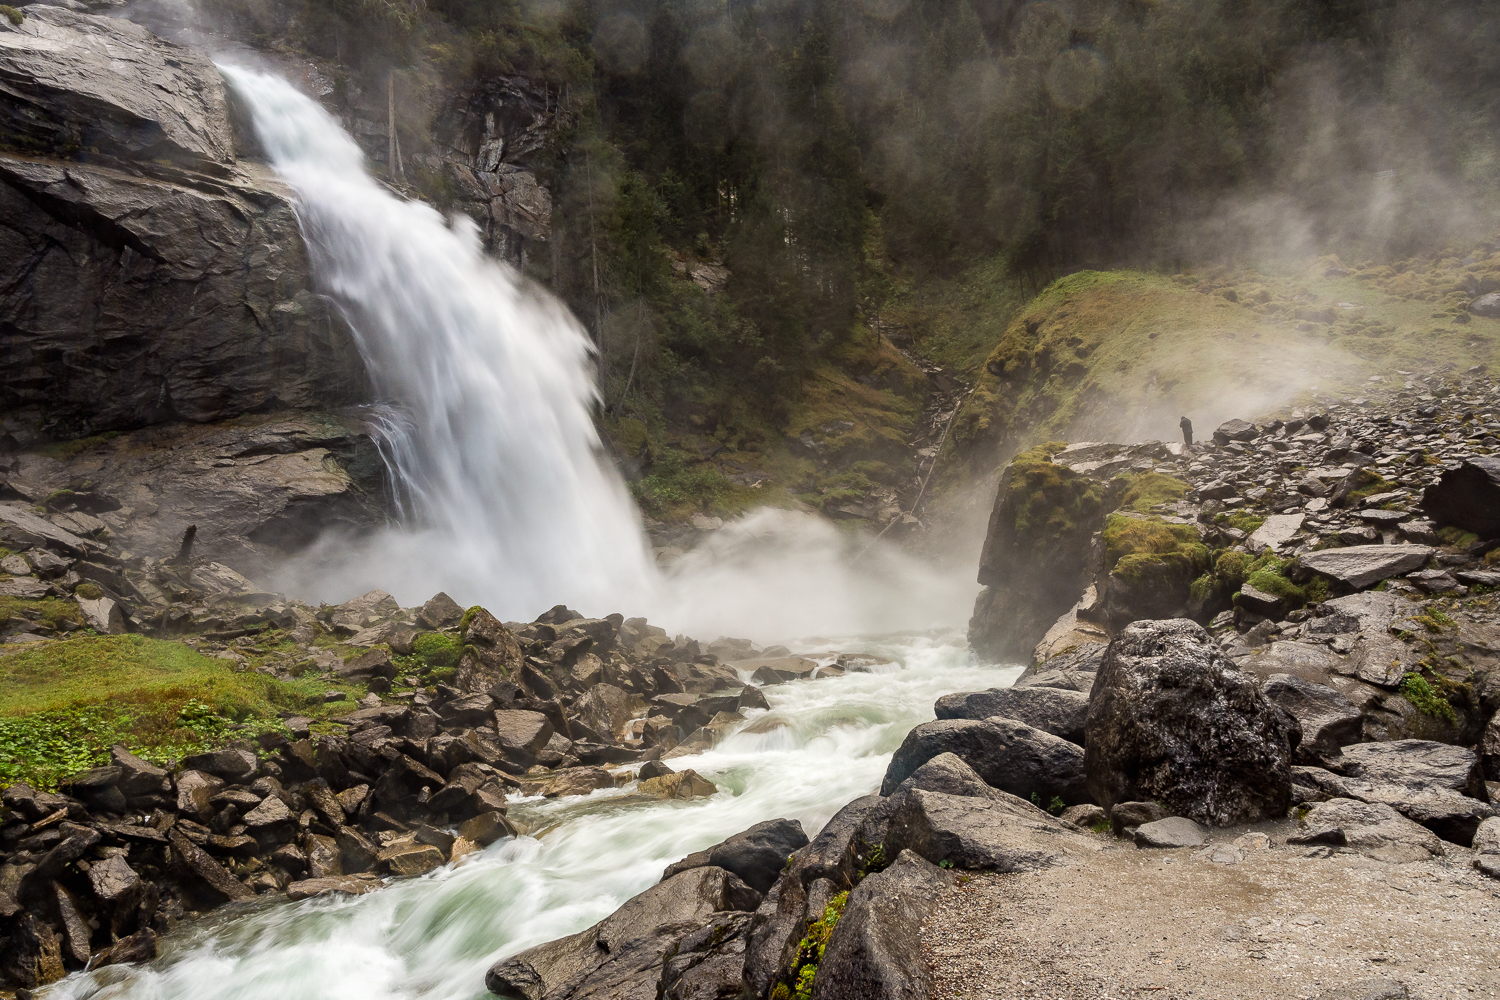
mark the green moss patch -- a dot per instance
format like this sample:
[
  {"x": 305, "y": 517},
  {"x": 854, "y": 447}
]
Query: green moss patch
[
  {"x": 1416, "y": 689},
  {"x": 1242, "y": 520},
  {"x": 1147, "y": 489},
  {"x": 1046, "y": 501}
]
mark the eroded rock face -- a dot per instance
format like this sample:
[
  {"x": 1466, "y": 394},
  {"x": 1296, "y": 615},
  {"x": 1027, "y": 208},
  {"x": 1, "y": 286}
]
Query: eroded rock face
[
  {"x": 1172, "y": 720},
  {"x": 161, "y": 280},
  {"x": 74, "y": 81},
  {"x": 255, "y": 486},
  {"x": 1037, "y": 555}
]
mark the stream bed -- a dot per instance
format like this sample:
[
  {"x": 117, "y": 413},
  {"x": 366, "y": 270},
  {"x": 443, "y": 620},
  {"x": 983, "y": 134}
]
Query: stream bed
[{"x": 435, "y": 936}]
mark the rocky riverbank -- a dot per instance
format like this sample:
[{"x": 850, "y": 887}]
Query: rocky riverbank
[{"x": 1289, "y": 628}]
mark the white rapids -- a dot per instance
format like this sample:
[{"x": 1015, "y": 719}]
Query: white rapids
[{"x": 434, "y": 937}]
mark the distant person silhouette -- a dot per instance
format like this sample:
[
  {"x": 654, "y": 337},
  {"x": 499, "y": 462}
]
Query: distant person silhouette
[{"x": 1187, "y": 431}]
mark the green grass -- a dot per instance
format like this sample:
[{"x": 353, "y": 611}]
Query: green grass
[
  {"x": 1132, "y": 544},
  {"x": 1146, "y": 490},
  {"x": 63, "y": 704},
  {"x": 1241, "y": 519}
]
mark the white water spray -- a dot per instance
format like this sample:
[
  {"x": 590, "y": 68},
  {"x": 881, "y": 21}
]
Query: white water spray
[{"x": 499, "y": 462}]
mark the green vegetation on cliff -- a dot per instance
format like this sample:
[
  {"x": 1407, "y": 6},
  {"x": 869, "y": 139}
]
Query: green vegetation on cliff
[
  {"x": 1136, "y": 546},
  {"x": 1049, "y": 501}
]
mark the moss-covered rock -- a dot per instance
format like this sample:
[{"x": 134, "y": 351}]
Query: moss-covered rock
[
  {"x": 1037, "y": 555},
  {"x": 1150, "y": 566}
]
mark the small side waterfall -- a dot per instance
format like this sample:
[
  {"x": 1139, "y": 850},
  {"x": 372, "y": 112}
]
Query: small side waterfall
[{"x": 500, "y": 463}]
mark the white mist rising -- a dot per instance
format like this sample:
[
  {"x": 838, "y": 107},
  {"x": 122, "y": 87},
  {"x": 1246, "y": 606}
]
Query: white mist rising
[{"x": 506, "y": 498}]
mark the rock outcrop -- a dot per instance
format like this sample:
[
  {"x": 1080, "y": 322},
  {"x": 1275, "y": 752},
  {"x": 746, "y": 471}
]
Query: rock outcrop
[{"x": 1036, "y": 557}]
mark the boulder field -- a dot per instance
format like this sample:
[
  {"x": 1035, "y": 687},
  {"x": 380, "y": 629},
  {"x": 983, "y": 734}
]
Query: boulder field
[{"x": 1287, "y": 631}]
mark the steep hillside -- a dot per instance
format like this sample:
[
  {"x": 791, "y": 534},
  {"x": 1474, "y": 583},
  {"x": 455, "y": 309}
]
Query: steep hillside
[{"x": 1123, "y": 354}]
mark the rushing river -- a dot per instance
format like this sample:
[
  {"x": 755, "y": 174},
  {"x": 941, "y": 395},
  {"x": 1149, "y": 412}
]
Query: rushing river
[{"x": 434, "y": 936}]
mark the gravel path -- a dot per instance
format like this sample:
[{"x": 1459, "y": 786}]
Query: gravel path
[{"x": 1278, "y": 923}]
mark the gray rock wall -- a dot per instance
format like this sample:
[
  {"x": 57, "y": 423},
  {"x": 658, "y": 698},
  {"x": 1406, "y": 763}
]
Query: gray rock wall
[{"x": 145, "y": 275}]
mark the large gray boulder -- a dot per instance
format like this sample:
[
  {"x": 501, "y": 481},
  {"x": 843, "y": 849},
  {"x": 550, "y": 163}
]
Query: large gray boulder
[
  {"x": 622, "y": 955},
  {"x": 757, "y": 855},
  {"x": 1418, "y": 764},
  {"x": 1007, "y": 754},
  {"x": 1074, "y": 669},
  {"x": 875, "y": 951},
  {"x": 1371, "y": 828},
  {"x": 1329, "y": 720},
  {"x": 947, "y": 773},
  {"x": 1468, "y": 496},
  {"x": 1002, "y": 834},
  {"x": 1052, "y": 710},
  {"x": 827, "y": 865},
  {"x": 1486, "y": 305},
  {"x": 1172, "y": 720}
]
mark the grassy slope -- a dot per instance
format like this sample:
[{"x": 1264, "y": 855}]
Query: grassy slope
[
  {"x": 63, "y": 704},
  {"x": 1122, "y": 354}
]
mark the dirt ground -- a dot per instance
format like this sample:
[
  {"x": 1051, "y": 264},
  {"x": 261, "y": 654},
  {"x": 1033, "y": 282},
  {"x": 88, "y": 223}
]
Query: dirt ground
[{"x": 1274, "y": 923}]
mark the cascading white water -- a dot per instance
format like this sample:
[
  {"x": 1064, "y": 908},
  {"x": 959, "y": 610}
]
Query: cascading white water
[
  {"x": 514, "y": 509},
  {"x": 500, "y": 457},
  {"x": 433, "y": 937}
]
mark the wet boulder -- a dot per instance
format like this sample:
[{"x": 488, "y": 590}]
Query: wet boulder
[
  {"x": 757, "y": 855},
  {"x": 1074, "y": 669},
  {"x": 1235, "y": 430},
  {"x": 1052, "y": 710},
  {"x": 1173, "y": 720},
  {"x": 1419, "y": 764},
  {"x": 1373, "y": 829},
  {"x": 947, "y": 773},
  {"x": 1002, "y": 834},
  {"x": 623, "y": 955},
  {"x": 440, "y": 611},
  {"x": 492, "y": 654},
  {"x": 875, "y": 950},
  {"x": 522, "y": 734},
  {"x": 1329, "y": 720},
  {"x": 1360, "y": 566},
  {"x": 1006, "y": 754}
]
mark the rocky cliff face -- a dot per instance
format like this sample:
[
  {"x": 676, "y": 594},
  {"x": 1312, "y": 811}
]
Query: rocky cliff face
[
  {"x": 149, "y": 275},
  {"x": 166, "y": 359},
  {"x": 1037, "y": 554}
]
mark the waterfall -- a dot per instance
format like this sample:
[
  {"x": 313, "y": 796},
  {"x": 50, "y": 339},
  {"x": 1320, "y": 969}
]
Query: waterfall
[{"x": 507, "y": 500}]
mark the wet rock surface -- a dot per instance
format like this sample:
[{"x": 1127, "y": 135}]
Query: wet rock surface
[{"x": 1171, "y": 719}]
